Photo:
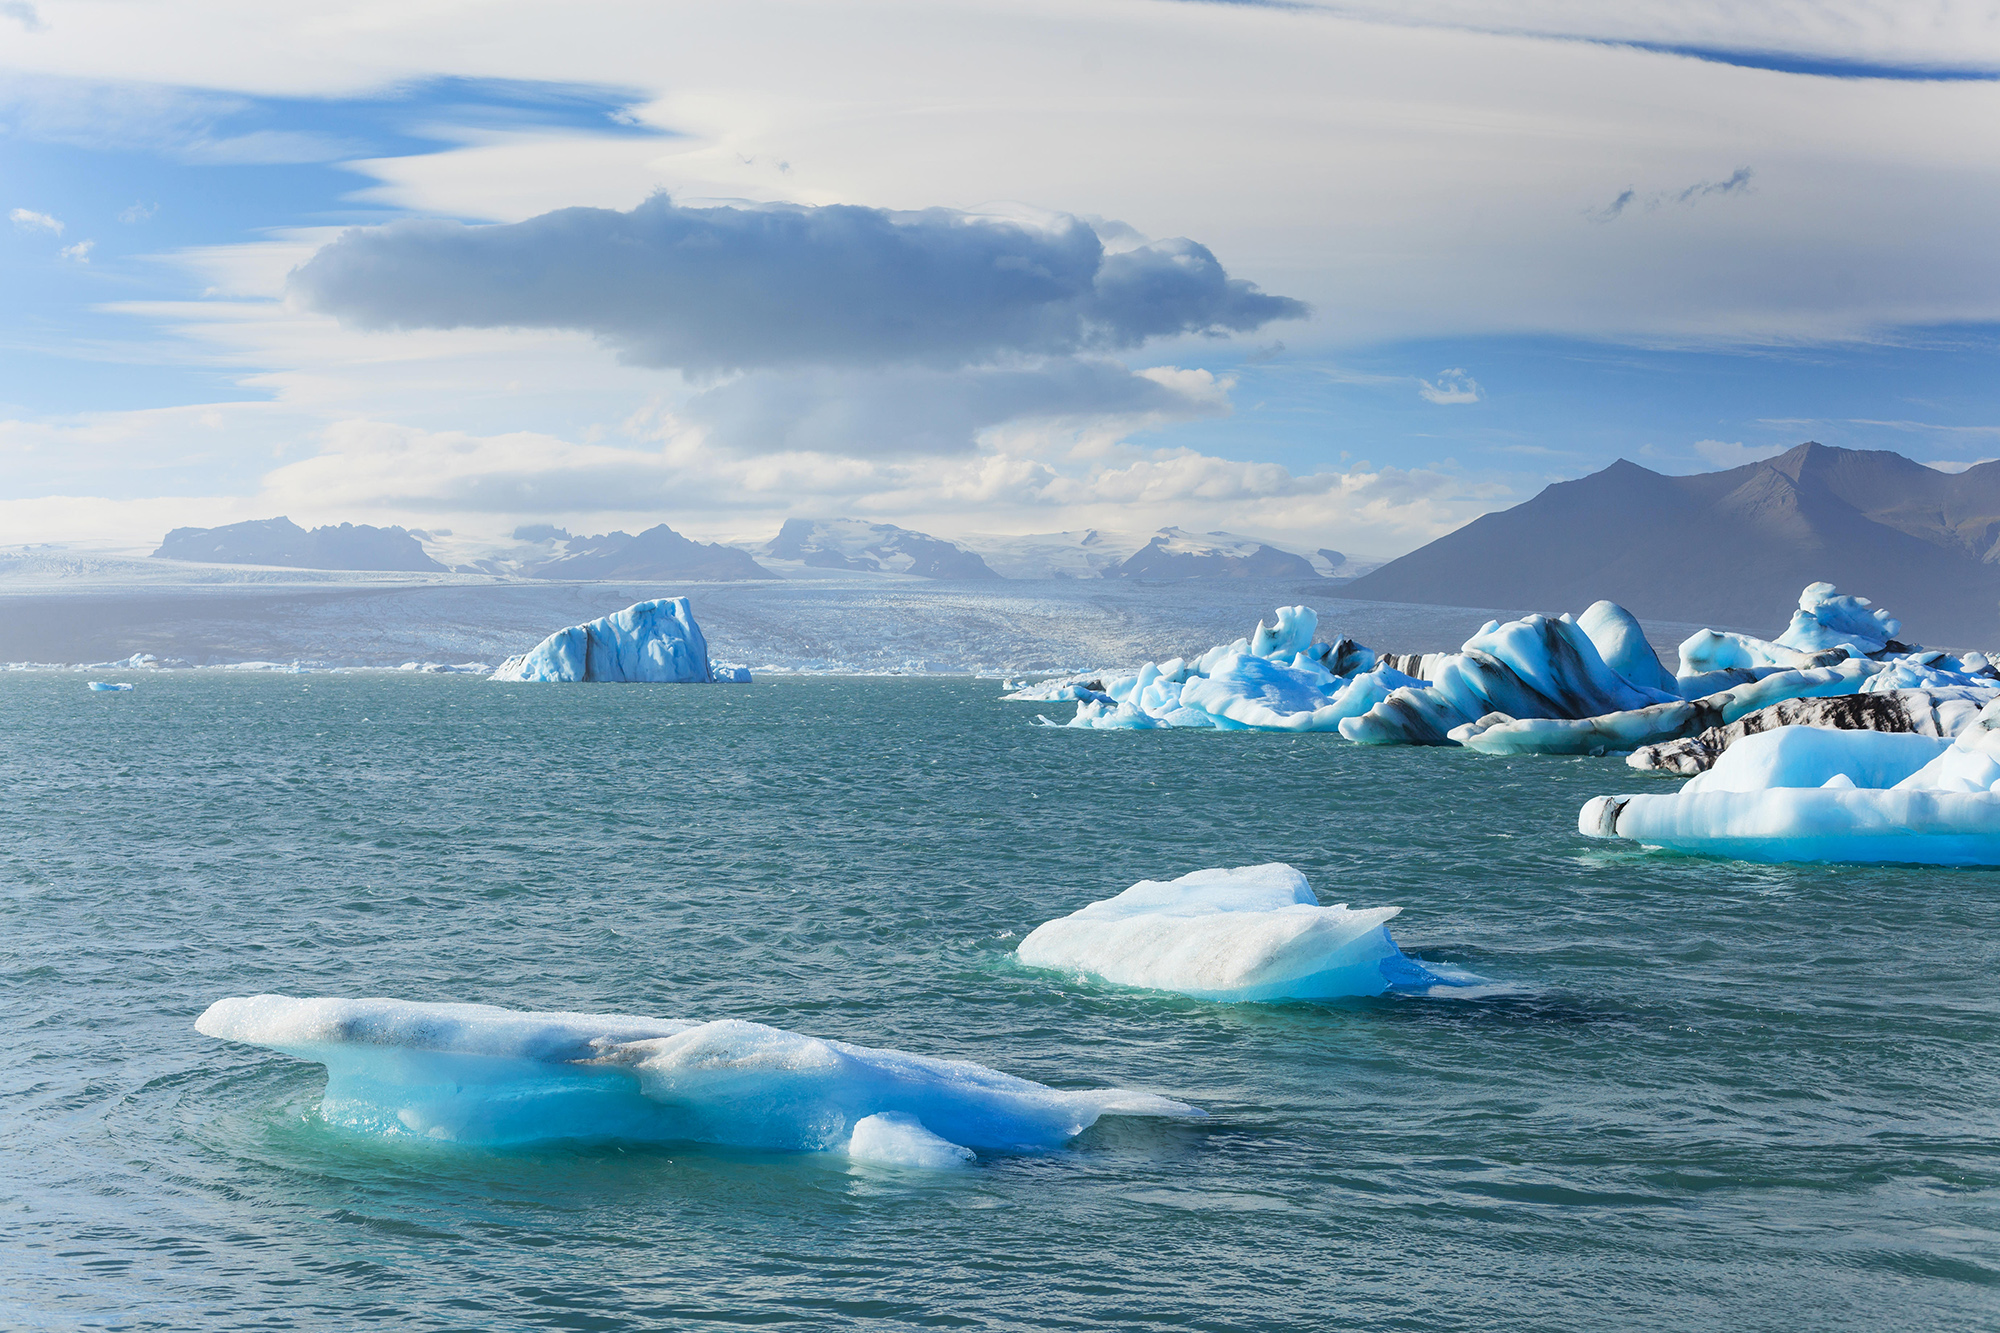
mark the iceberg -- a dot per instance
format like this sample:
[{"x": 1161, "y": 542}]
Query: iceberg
[
  {"x": 1252, "y": 933},
  {"x": 1943, "y": 711},
  {"x": 1588, "y": 684},
  {"x": 656, "y": 641},
  {"x": 110, "y": 686},
  {"x": 1806, "y": 793},
  {"x": 479, "y": 1075}
]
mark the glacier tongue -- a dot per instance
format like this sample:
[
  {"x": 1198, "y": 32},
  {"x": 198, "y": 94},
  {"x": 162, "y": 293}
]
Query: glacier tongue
[
  {"x": 475, "y": 1074},
  {"x": 656, "y": 641},
  {"x": 1252, "y": 933}
]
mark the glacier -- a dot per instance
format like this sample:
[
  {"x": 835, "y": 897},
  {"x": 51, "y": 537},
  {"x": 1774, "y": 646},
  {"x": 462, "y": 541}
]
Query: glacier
[
  {"x": 1245, "y": 934},
  {"x": 655, "y": 641},
  {"x": 1588, "y": 684},
  {"x": 479, "y": 1075},
  {"x": 1807, "y": 793}
]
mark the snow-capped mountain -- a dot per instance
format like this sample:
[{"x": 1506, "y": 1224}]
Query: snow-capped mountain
[{"x": 851, "y": 544}]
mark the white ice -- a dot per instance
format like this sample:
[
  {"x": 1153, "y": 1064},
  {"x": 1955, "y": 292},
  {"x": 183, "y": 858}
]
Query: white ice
[
  {"x": 656, "y": 641},
  {"x": 475, "y": 1074},
  {"x": 1253, "y": 933},
  {"x": 1816, "y": 794}
]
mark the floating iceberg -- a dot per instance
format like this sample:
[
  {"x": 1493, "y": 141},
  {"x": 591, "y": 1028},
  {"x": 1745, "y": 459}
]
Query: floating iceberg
[
  {"x": 110, "y": 686},
  {"x": 646, "y": 642},
  {"x": 1803, "y": 793},
  {"x": 475, "y": 1074},
  {"x": 1945, "y": 711},
  {"x": 1589, "y": 684},
  {"x": 1255, "y": 933}
]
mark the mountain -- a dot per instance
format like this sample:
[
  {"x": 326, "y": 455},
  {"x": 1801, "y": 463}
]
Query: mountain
[
  {"x": 877, "y": 548},
  {"x": 1733, "y": 548},
  {"x": 1083, "y": 554},
  {"x": 657, "y": 553},
  {"x": 279, "y": 541},
  {"x": 1175, "y": 553}
]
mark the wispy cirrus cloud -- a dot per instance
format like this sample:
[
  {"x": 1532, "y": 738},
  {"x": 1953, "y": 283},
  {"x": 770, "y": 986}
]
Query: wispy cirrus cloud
[{"x": 1737, "y": 182}]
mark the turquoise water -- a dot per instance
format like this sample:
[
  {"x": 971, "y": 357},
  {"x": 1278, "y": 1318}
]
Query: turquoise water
[{"x": 1707, "y": 1095}]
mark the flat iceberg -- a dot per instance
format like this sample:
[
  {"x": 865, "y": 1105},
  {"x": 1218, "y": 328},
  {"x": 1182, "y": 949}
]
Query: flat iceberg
[
  {"x": 1804, "y": 793},
  {"x": 1253, "y": 933},
  {"x": 480, "y": 1075},
  {"x": 110, "y": 686},
  {"x": 656, "y": 641}
]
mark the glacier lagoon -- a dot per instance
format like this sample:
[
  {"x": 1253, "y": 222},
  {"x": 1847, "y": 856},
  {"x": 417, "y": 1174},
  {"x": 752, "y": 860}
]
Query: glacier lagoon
[{"x": 1695, "y": 1093}]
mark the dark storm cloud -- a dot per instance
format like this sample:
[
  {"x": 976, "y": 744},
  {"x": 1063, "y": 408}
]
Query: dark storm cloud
[{"x": 713, "y": 290}]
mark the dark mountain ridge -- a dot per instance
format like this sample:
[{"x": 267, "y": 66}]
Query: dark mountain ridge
[
  {"x": 281, "y": 542},
  {"x": 1733, "y": 548}
]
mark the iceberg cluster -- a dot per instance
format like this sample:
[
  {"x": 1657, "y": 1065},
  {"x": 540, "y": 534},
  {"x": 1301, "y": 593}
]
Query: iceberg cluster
[
  {"x": 656, "y": 641},
  {"x": 475, "y": 1074},
  {"x": 1254, "y": 933},
  {"x": 1807, "y": 793},
  {"x": 1588, "y": 684}
]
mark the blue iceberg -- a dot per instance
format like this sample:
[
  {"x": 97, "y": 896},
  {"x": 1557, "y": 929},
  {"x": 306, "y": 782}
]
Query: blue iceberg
[
  {"x": 1803, "y": 793},
  {"x": 110, "y": 686},
  {"x": 479, "y": 1075},
  {"x": 656, "y": 641},
  {"x": 1252, "y": 933}
]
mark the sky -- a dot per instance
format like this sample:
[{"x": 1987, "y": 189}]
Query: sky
[{"x": 1340, "y": 275}]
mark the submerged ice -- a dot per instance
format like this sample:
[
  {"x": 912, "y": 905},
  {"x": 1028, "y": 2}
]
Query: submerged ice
[
  {"x": 1253, "y": 933},
  {"x": 475, "y": 1074},
  {"x": 655, "y": 641}
]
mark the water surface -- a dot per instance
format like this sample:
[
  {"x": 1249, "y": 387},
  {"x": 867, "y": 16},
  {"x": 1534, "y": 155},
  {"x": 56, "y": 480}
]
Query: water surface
[{"x": 1712, "y": 1095}]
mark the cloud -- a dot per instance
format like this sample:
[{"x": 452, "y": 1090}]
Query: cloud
[
  {"x": 730, "y": 288},
  {"x": 1738, "y": 182},
  {"x": 24, "y": 14},
  {"x": 80, "y": 252},
  {"x": 1724, "y": 454},
  {"x": 137, "y": 212},
  {"x": 915, "y": 409},
  {"x": 1955, "y": 465},
  {"x": 1453, "y": 386},
  {"x": 29, "y": 220}
]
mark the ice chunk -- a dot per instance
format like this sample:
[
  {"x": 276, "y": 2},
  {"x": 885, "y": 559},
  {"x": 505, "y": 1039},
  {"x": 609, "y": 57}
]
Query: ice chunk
[
  {"x": 1621, "y": 642},
  {"x": 110, "y": 686},
  {"x": 1659, "y": 724},
  {"x": 894, "y": 1138},
  {"x": 1254, "y": 933},
  {"x": 655, "y": 641},
  {"x": 1535, "y": 667},
  {"x": 1946, "y": 711},
  {"x": 1825, "y": 619},
  {"x": 1817, "y": 794},
  {"x": 475, "y": 1074}
]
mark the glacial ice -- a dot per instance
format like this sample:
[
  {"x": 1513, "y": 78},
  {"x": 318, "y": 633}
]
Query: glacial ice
[
  {"x": 480, "y": 1075},
  {"x": 1942, "y": 711},
  {"x": 1803, "y": 793},
  {"x": 110, "y": 686},
  {"x": 1589, "y": 684},
  {"x": 656, "y": 641},
  {"x": 1252, "y": 933}
]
